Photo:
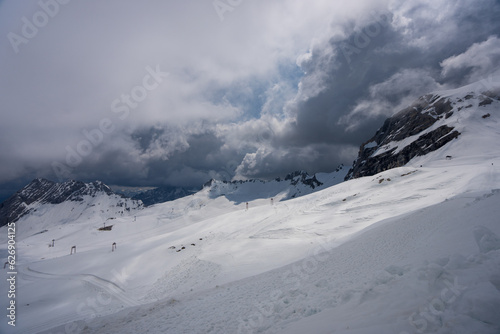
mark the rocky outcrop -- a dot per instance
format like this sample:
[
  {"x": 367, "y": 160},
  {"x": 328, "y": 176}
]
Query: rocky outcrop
[
  {"x": 411, "y": 132},
  {"x": 304, "y": 178}
]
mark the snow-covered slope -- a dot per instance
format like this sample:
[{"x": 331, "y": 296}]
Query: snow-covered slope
[
  {"x": 431, "y": 271},
  {"x": 44, "y": 205},
  {"x": 293, "y": 185},
  {"x": 411, "y": 249}
]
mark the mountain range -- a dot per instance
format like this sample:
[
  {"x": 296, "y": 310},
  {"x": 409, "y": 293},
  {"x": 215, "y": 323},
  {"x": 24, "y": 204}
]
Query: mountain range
[
  {"x": 406, "y": 240},
  {"x": 45, "y": 193}
]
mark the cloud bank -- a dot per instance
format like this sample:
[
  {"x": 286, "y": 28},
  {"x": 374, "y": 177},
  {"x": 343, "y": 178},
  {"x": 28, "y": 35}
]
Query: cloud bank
[{"x": 176, "y": 93}]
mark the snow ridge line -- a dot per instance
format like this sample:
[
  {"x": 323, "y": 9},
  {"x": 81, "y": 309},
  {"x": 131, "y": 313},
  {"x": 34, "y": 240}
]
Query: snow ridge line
[{"x": 111, "y": 288}]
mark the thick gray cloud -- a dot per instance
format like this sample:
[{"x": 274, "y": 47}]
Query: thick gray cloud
[
  {"x": 373, "y": 68},
  {"x": 169, "y": 92},
  {"x": 474, "y": 64}
]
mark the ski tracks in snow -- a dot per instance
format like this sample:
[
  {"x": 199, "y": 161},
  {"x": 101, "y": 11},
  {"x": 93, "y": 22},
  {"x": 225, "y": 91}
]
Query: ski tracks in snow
[{"x": 104, "y": 291}]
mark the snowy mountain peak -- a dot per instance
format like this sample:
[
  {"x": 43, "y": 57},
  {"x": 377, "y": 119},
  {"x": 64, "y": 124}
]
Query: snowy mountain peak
[
  {"x": 295, "y": 184},
  {"x": 430, "y": 123},
  {"x": 40, "y": 192}
]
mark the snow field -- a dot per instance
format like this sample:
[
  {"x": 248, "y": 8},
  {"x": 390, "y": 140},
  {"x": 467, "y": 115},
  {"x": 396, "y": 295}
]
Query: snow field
[
  {"x": 421, "y": 272},
  {"x": 237, "y": 244}
]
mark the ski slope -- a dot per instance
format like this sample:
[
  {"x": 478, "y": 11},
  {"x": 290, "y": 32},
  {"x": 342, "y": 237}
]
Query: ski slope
[
  {"x": 412, "y": 249},
  {"x": 374, "y": 283}
]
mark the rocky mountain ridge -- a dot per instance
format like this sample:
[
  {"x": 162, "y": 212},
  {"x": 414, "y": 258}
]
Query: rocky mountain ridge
[
  {"x": 293, "y": 185},
  {"x": 40, "y": 192},
  {"x": 427, "y": 125},
  {"x": 45, "y": 192}
]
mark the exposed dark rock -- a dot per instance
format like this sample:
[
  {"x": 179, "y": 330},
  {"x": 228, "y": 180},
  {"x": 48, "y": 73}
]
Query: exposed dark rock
[
  {"x": 485, "y": 102},
  {"x": 301, "y": 176},
  {"x": 208, "y": 183},
  {"x": 443, "y": 106},
  {"x": 409, "y": 122}
]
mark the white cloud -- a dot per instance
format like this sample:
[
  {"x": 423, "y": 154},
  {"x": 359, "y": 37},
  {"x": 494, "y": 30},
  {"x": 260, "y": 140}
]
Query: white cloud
[
  {"x": 479, "y": 60},
  {"x": 390, "y": 96}
]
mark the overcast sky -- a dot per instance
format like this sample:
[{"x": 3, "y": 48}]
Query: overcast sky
[{"x": 164, "y": 92}]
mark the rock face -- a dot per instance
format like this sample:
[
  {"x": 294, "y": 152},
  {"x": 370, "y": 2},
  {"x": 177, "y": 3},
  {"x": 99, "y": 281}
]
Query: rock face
[
  {"x": 41, "y": 191},
  {"x": 427, "y": 125},
  {"x": 304, "y": 178}
]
